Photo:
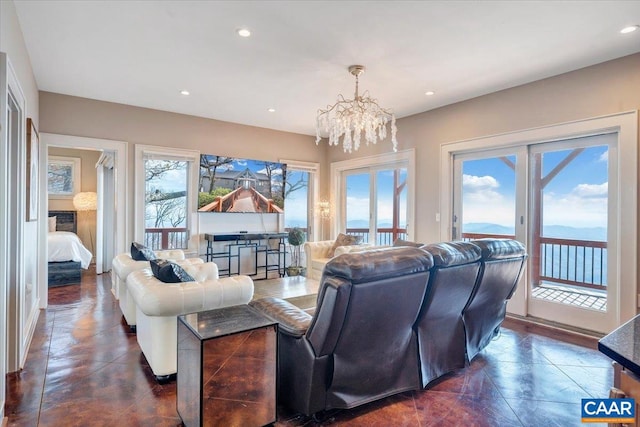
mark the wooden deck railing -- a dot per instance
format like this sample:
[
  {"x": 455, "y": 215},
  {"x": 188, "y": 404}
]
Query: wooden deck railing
[
  {"x": 166, "y": 238},
  {"x": 581, "y": 263},
  {"x": 385, "y": 236}
]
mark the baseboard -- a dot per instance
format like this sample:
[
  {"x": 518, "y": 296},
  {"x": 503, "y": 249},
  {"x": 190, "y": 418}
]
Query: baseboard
[{"x": 558, "y": 327}]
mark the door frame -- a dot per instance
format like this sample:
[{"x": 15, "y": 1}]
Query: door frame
[
  {"x": 121, "y": 164},
  {"x": 626, "y": 125}
]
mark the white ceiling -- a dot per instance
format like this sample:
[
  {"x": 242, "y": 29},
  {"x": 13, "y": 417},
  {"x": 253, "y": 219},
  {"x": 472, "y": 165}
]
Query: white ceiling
[{"x": 144, "y": 53}]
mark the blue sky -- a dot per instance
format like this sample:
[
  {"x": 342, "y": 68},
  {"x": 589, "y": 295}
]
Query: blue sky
[
  {"x": 358, "y": 189},
  {"x": 576, "y": 197}
]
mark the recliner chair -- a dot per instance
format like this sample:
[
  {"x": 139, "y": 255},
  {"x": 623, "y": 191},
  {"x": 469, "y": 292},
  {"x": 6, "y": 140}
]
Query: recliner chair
[
  {"x": 441, "y": 334},
  {"x": 502, "y": 265},
  {"x": 361, "y": 344}
]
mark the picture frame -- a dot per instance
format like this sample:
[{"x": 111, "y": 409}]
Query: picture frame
[
  {"x": 63, "y": 177},
  {"x": 33, "y": 146}
]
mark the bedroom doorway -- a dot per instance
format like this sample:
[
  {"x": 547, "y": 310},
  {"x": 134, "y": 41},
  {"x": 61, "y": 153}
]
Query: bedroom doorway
[{"x": 103, "y": 162}]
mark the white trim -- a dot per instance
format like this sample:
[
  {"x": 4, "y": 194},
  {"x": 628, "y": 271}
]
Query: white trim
[
  {"x": 377, "y": 161},
  {"x": 121, "y": 164},
  {"x": 4, "y": 248},
  {"x": 17, "y": 315},
  {"x": 143, "y": 152},
  {"x": 313, "y": 195},
  {"x": 626, "y": 125}
]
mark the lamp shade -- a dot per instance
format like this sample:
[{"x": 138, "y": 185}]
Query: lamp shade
[{"x": 86, "y": 201}]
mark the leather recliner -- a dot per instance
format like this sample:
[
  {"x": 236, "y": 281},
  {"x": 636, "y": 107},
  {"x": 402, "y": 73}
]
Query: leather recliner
[
  {"x": 441, "y": 334},
  {"x": 361, "y": 344},
  {"x": 502, "y": 265}
]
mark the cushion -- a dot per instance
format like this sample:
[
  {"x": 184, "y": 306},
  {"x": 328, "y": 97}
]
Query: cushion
[
  {"x": 400, "y": 242},
  {"x": 52, "y": 223},
  {"x": 344, "y": 240},
  {"x": 141, "y": 253},
  {"x": 168, "y": 272}
]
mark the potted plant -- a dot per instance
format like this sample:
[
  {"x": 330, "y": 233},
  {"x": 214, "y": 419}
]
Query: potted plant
[{"x": 296, "y": 239}]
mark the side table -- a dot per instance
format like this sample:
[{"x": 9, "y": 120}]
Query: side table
[{"x": 227, "y": 368}]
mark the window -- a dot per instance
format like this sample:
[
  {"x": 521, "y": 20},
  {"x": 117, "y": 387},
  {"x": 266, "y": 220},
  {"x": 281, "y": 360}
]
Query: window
[
  {"x": 165, "y": 197},
  {"x": 374, "y": 196},
  {"x": 300, "y": 197}
]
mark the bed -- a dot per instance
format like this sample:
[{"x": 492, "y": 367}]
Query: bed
[{"x": 66, "y": 253}]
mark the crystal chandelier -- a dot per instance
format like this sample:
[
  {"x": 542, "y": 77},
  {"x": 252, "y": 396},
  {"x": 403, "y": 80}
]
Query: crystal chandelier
[{"x": 350, "y": 119}]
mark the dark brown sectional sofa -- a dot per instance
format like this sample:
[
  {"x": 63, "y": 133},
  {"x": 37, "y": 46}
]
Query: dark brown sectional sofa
[{"x": 391, "y": 320}]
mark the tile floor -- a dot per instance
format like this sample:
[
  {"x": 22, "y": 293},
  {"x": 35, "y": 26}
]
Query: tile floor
[{"x": 85, "y": 369}]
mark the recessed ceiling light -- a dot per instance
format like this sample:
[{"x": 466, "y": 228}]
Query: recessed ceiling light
[
  {"x": 429, "y": 93},
  {"x": 184, "y": 92},
  {"x": 271, "y": 110},
  {"x": 629, "y": 29},
  {"x": 243, "y": 32}
]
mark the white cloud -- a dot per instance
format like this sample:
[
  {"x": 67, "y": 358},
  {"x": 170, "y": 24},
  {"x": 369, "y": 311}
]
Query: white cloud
[
  {"x": 241, "y": 162},
  {"x": 584, "y": 206},
  {"x": 591, "y": 190},
  {"x": 475, "y": 183},
  {"x": 604, "y": 157},
  {"x": 482, "y": 202}
]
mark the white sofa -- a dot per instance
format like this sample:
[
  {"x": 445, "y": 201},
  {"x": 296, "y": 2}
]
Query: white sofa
[
  {"x": 159, "y": 304},
  {"x": 123, "y": 265},
  {"x": 317, "y": 254}
]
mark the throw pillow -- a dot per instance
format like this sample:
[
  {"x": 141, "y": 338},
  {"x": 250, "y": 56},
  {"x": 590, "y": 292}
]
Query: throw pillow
[
  {"x": 53, "y": 223},
  {"x": 141, "y": 253},
  {"x": 400, "y": 242},
  {"x": 168, "y": 272},
  {"x": 344, "y": 240}
]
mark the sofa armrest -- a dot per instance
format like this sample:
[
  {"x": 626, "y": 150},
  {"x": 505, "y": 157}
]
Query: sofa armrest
[
  {"x": 155, "y": 298},
  {"x": 199, "y": 269},
  {"x": 315, "y": 250},
  {"x": 291, "y": 319}
]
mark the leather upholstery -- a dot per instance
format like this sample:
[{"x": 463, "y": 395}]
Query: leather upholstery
[
  {"x": 317, "y": 255},
  {"x": 502, "y": 265},
  {"x": 158, "y": 304},
  {"x": 123, "y": 265},
  {"x": 391, "y": 320},
  {"x": 361, "y": 344},
  {"x": 292, "y": 320},
  {"x": 441, "y": 335}
]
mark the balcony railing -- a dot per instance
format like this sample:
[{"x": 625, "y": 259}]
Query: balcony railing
[
  {"x": 581, "y": 263},
  {"x": 166, "y": 238},
  {"x": 384, "y": 236},
  {"x": 574, "y": 262}
]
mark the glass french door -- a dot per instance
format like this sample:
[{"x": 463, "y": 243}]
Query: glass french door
[
  {"x": 559, "y": 199},
  {"x": 485, "y": 202},
  {"x": 375, "y": 203},
  {"x": 572, "y": 274}
]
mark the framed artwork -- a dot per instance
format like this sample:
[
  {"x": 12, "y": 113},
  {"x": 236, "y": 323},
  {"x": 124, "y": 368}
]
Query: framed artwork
[
  {"x": 33, "y": 145},
  {"x": 63, "y": 177}
]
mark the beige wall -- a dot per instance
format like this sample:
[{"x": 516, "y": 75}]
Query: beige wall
[
  {"x": 12, "y": 43},
  {"x": 88, "y": 182},
  {"x": 68, "y": 115},
  {"x": 607, "y": 88}
]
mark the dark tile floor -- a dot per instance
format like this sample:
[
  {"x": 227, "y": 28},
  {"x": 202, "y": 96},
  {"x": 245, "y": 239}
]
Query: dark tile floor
[{"x": 85, "y": 369}]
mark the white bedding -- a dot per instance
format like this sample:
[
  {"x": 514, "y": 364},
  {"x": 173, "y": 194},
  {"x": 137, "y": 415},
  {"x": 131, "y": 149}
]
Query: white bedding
[{"x": 66, "y": 246}]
